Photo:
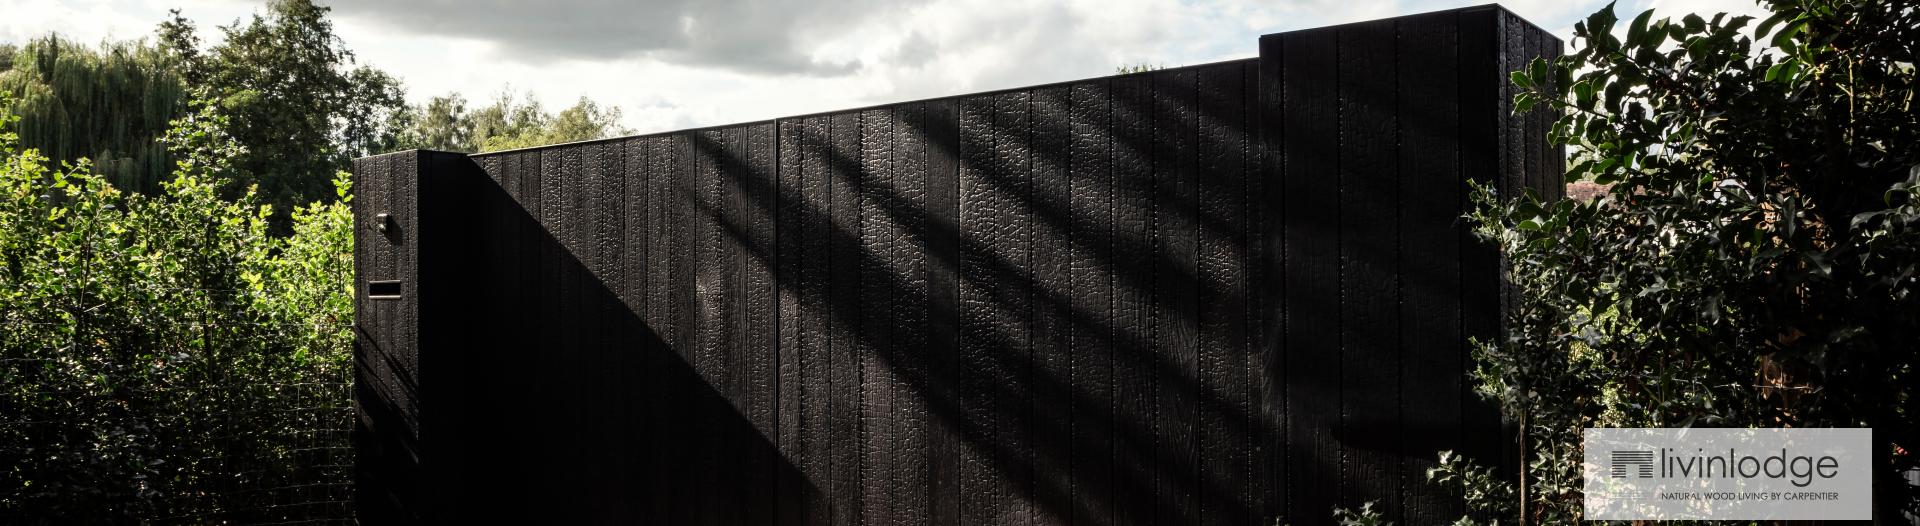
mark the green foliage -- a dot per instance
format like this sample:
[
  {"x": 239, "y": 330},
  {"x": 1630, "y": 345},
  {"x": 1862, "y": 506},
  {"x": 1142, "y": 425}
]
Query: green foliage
[
  {"x": 1365, "y": 516},
  {"x": 1142, "y": 67},
  {"x": 506, "y": 122},
  {"x": 440, "y": 124},
  {"x": 444, "y": 123},
  {"x": 106, "y": 104},
  {"x": 1755, "y": 261},
  {"x": 162, "y": 355},
  {"x": 1486, "y": 495},
  {"x": 300, "y": 105}
]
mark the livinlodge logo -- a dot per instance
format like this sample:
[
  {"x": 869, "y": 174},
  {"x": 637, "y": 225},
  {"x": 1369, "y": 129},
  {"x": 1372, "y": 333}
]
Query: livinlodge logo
[{"x": 1728, "y": 474}]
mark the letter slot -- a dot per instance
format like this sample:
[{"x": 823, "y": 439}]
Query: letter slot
[{"x": 383, "y": 290}]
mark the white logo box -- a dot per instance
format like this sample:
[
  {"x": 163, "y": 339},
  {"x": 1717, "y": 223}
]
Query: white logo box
[{"x": 1728, "y": 474}]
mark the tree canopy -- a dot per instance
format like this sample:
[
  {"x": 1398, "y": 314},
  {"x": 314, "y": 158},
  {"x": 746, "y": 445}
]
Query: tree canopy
[
  {"x": 1755, "y": 261},
  {"x": 510, "y": 121},
  {"x": 299, "y": 103},
  {"x": 107, "y": 103}
]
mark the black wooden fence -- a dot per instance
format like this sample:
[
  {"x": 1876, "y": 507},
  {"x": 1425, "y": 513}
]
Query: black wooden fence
[{"x": 1215, "y": 294}]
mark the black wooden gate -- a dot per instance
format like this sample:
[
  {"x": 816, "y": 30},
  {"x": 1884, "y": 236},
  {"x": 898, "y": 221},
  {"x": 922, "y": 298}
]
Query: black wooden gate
[{"x": 1214, "y": 294}]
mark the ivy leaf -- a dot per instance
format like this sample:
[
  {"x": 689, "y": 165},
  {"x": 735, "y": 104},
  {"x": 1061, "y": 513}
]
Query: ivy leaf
[
  {"x": 1784, "y": 39},
  {"x": 1520, "y": 79},
  {"x": 1637, "y": 31}
]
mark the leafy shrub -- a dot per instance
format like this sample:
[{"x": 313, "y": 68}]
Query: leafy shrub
[
  {"x": 1754, "y": 263},
  {"x": 163, "y": 357}
]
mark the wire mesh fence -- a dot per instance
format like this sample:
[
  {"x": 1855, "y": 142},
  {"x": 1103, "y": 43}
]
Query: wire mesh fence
[{"x": 185, "y": 449}]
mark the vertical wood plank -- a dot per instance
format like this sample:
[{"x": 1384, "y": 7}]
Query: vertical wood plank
[
  {"x": 1429, "y": 260},
  {"x": 686, "y": 334},
  {"x": 669, "y": 496},
  {"x": 403, "y": 200},
  {"x": 818, "y": 405},
  {"x": 611, "y": 374},
  {"x": 1267, "y": 362},
  {"x": 1261, "y": 203},
  {"x": 557, "y": 330},
  {"x": 1091, "y": 205},
  {"x": 1369, "y": 284},
  {"x": 1552, "y": 158},
  {"x": 1312, "y": 270},
  {"x": 1010, "y": 286},
  {"x": 1052, "y": 311},
  {"x": 715, "y": 293},
  {"x": 947, "y": 420},
  {"x": 369, "y": 175},
  {"x": 384, "y": 479},
  {"x": 757, "y": 319},
  {"x": 1133, "y": 362},
  {"x": 1513, "y": 57},
  {"x": 535, "y": 259},
  {"x": 633, "y": 225},
  {"x": 910, "y": 332},
  {"x": 404, "y": 173},
  {"x": 1175, "y": 279},
  {"x": 1222, "y": 436},
  {"x": 1481, "y": 160},
  {"x": 559, "y": 338},
  {"x": 561, "y": 168},
  {"x": 980, "y": 212},
  {"x": 843, "y": 154},
  {"x": 874, "y": 176},
  {"x": 791, "y": 229},
  {"x": 634, "y": 345}
]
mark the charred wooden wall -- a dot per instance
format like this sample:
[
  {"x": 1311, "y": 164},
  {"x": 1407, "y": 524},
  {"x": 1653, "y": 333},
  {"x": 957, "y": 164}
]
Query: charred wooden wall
[{"x": 1213, "y": 294}]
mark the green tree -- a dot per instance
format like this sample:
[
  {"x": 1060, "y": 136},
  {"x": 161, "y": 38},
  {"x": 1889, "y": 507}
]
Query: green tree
[
  {"x": 585, "y": 120},
  {"x": 1755, "y": 262},
  {"x": 510, "y": 121},
  {"x": 299, "y": 104},
  {"x": 507, "y": 117},
  {"x": 162, "y": 356},
  {"x": 108, "y": 104},
  {"x": 440, "y": 124},
  {"x": 507, "y": 126}
]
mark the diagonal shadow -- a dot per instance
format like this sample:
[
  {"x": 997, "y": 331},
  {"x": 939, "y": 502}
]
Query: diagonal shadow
[{"x": 561, "y": 405}]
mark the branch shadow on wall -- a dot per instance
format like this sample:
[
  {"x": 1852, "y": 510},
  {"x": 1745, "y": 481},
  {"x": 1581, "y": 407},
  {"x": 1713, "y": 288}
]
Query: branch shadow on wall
[
  {"x": 561, "y": 405},
  {"x": 978, "y": 410}
]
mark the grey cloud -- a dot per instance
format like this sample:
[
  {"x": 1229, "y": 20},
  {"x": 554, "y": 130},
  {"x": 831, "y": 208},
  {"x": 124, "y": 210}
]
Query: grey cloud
[
  {"x": 756, "y": 36},
  {"x": 917, "y": 49}
]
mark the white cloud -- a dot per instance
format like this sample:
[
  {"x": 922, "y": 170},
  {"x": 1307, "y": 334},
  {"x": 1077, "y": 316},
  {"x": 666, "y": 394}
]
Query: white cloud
[{"x": 84, "y": 21}]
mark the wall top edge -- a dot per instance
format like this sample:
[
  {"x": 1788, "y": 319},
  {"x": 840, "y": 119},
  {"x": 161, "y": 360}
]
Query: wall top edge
[{"x": 1488, "y": 8}]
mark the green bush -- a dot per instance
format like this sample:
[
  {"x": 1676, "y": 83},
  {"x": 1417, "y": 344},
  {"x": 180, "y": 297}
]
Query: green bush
[
  {"x": 163, "y": 357},
  {"x": 1756, "y": 262}
]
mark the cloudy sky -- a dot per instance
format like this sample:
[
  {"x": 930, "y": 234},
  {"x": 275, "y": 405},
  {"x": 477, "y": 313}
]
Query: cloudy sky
[{"x": 672, "y": 64}]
